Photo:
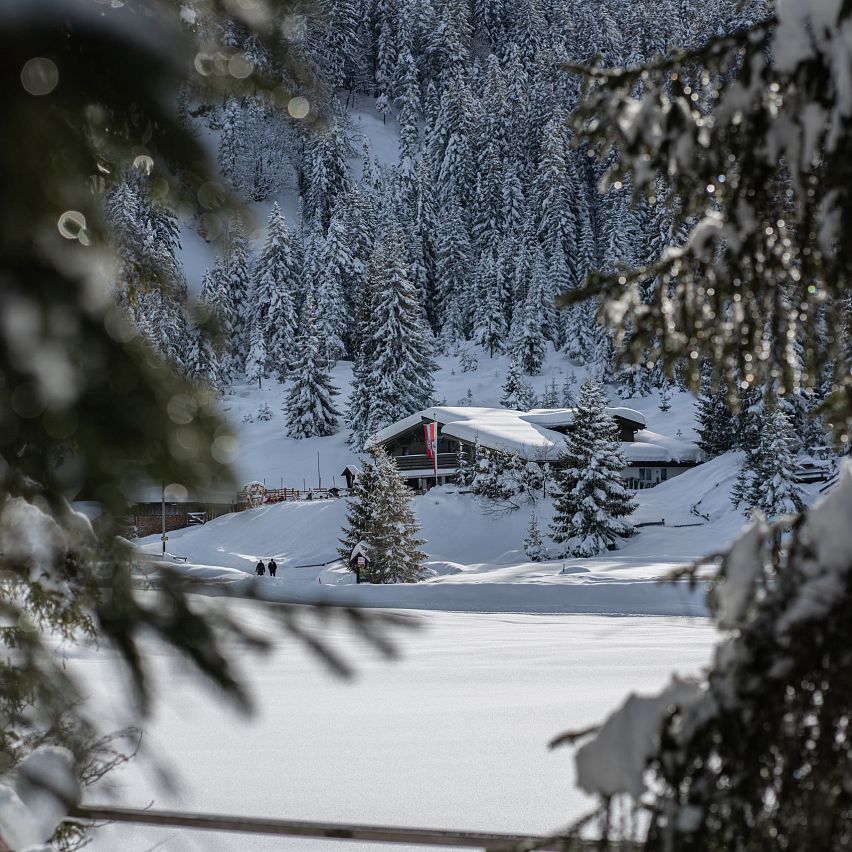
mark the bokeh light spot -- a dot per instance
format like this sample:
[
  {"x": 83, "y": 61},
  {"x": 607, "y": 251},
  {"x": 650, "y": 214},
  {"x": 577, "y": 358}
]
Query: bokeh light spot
[
  {"x": 39, "y": 76},
  {"x": 298, "y": 107},
  {"x": 240, "y": 66},
  {"x": 144, "y": 163},
  {"x": 71, "y": 224}
]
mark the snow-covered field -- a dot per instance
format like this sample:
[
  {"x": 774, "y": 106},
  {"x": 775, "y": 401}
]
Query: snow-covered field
[{"x": 453, "y": 735}]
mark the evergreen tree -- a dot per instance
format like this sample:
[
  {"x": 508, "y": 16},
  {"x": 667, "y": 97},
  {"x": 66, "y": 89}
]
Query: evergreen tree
[
  {"x": 766, "y": 480},
  {"x": 395, "y": 378},
  {"x": 489, "y": 320},
  {"x": 512, "y": 387},
  {"x": 381, "y": 517},
  {"x": 256, "y": 362},
  {"x": 591, "y": 500},
  {"x": 716, "y": 425},
  {"x": 277, "y": 280},
  {"x": 336, "y": 272},
  {"x": 235, "y": 283},
  {"x": 326, "y": 174},
  {"x": 531, "y": 343},
  {"x": 550, "y": 397},
  {"x": 533, "y": 543},
  {"x": 309, "y": 408},
  {"x": 569, "y": 397},
  {"x": 453, "y": 272}
]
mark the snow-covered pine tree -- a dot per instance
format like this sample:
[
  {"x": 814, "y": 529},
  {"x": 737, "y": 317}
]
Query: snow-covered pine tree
[
  {"x": 591, "y": 502},
  {"x": 530, "y": 346},
  {"x": 767, "y": 481},
  {"x": 533, "y": 543},
  {"x": 336, "y": 272},
  {"x": 308, "y": 408},
  {"x": 399, "y": 365},
  {"x": 466, "y": 465},
  {"x": 277, "y": 280},
  {"x": 256, "y": 366},
  {"x": 512, "y": 387},
  {"x": 149, "y": 278},
  {"x": 715, "y": 424},
  {"x": 358, "y": 414},
  {"x": 665, "y": 397},
  {"x": 207, "y": 359},
  {"x": 326, "y": 172},
  {"x": 569, "y": 397},
  {"x": 237, "y": 282},
  {"x": 550, "y": 397},
  {"x": 381, "y": 516},
  {"x": 489, "y": 329},
  {"x": 453, "y": 265}
]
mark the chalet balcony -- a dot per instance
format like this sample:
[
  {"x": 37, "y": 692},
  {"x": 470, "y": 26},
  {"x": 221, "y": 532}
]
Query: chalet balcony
[{"x": 446, "y": 461}]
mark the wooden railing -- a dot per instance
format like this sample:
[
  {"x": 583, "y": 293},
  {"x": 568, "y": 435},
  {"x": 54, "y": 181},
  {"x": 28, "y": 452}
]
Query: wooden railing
[
  {"x": 424, "y": 462},
  {"x": 344, "y": 831}
]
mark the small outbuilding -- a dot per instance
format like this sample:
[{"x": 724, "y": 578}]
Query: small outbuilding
[{"x": 350, "y": 474}]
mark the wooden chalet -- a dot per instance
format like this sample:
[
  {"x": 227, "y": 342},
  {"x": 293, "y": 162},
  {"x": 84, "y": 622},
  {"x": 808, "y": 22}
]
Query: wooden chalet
[{"x": 536, "y": 435}]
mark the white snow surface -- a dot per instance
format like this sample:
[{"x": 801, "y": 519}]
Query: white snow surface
[{"x": 453, "y": 735}]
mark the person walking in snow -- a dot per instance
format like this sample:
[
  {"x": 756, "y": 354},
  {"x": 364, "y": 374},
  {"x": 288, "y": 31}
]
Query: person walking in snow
[
  {"x": 273, "y": 567},
  {"x": 261, "y": 569}
]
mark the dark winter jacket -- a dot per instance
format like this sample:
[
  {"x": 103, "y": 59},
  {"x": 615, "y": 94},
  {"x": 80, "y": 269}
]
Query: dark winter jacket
[
  {"x": 261, "y": 569},
  {"x": 273, "y": 567}
]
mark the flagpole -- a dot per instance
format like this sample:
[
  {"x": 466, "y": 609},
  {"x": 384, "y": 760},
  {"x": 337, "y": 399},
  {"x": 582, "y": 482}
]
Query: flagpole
[{"x": 435, "y": 454}]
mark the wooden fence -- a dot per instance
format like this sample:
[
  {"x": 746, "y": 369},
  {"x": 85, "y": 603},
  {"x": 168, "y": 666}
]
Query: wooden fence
[{"x": 245, "y": 500}]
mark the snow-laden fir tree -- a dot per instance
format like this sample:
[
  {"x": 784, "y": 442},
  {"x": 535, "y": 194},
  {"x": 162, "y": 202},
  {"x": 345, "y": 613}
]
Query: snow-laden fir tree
[
  {"x": 533, "y": 543},
  {"x": 235, "y": 272},
  {"x": 277, "y": 281},
  {"x": 309, "y": 407},
  {"x": 550, "y": 397},
  {"x": 150, "y": 284},
  {"x": 336, "y": 272},
  {"x": 256, "y": 362},
  {"x": 767, "y": 480},
  {"x": 326, "y": 173},
  {"x": 591, "y": 501},
  {"x": 530, "y": 346},
  {"x": 395, "y": 378},
  {"x": 715, "y": 424},
  {"x": 380, "y": 516},
  {"x": 208, "y": 360},
  {"x": 513, "y": 387},
  {"x": 466, "y": 465},
  {"x": 489, "y": 324}
]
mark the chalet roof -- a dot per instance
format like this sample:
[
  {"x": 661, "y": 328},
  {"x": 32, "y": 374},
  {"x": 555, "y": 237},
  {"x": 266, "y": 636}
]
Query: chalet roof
[
  {"x": 552, "y": 417},
  {"x": 532, "y": 435}
]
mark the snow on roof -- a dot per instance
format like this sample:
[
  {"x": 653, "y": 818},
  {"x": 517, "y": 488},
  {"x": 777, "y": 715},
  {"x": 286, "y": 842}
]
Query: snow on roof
[
  {"x": 652, "y": 447},
  {"x": 565, "y": 416},
  {"x": 528, "y": 435}
]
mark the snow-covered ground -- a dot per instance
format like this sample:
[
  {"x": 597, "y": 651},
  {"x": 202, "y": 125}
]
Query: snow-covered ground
[{"x": 453, "y": 735}]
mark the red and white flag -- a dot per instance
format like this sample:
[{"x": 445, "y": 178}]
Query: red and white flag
[{"x": 431, "y": 432}]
